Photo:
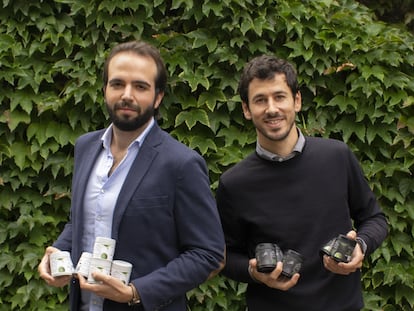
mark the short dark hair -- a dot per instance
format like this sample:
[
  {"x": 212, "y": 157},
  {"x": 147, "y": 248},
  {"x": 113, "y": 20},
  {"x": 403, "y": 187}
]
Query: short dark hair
[
  {"x": 144, "y": 49},
  {"x": 265, "y": 67}
]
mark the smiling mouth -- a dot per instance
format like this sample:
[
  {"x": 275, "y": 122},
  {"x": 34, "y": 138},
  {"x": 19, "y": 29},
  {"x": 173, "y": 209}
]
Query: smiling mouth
[{"x": 274, "y": 121}]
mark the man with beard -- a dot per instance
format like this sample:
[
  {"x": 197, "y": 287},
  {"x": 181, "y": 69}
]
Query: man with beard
[
  {"x": 299, "y": 193},
  {"x": 134, "y": 183}
]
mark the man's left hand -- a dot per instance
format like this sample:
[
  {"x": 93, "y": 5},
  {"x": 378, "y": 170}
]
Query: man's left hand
[
  {"x": 342, "y": 267},
  {"x": 107, "y": 287}
]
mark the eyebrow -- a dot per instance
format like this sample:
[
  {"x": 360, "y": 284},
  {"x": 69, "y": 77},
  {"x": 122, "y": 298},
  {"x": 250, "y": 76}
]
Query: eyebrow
[
  {"x": 274, "y": 93},
  {"x": 116, "y": 80}
]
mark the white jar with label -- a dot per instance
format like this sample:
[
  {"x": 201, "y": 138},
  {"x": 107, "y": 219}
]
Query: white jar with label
[
  {"x": 83, "y": 264},
  {"x": 60, "y": 263},
  {"x": 104, "y": 248},
  {"x": 98, "y": 265},
  {"x": 121, "y": 270}
]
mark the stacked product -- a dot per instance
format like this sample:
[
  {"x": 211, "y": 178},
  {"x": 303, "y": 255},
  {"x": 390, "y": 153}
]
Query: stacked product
[{"x": 101, "y": 260}]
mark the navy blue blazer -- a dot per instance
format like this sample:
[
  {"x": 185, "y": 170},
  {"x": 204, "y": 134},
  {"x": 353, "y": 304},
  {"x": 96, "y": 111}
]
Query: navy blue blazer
[{"x": 165, "y": 220}]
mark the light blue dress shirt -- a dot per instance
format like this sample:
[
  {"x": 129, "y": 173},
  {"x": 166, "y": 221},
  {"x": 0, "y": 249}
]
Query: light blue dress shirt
[{"x": 100, "y": 199}]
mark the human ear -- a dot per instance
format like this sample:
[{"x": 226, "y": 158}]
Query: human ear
[
  {"x": 158, "y": 98},
  {"x": 246, "y": 111},
  {"x": 298, "y": 101}
]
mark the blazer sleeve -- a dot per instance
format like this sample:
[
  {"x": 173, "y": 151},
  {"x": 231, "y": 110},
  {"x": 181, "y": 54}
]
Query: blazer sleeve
[
  {"x": 86, "y": 149},
  {"x": 199, "y": 234}
]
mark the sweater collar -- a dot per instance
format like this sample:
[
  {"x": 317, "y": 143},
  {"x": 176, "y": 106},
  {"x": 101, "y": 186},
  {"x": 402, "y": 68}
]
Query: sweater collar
[{"x": 267, "y": 155}]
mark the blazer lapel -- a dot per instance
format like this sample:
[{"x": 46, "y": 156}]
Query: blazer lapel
[
  {"x": 88, "y": 161},
  {"x": 139, "y": 168},
  {"x": 87, "y": 155}
]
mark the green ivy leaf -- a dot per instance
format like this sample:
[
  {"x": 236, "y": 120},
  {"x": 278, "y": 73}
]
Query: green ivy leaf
[
  {"x": 20, "y": 152},
  {"x": 202, "y": 144},
  {"x": 376, "y": 71},
  {"x": 14, "y": 118},
  {"x": 190, "y": 118},
  {"x": 342, "y": 102}
]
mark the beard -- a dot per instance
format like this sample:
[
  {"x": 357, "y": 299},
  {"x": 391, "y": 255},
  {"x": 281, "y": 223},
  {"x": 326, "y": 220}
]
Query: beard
[
  {"x": 126, "y": 123},
  {"x": 276, "y": 135}
]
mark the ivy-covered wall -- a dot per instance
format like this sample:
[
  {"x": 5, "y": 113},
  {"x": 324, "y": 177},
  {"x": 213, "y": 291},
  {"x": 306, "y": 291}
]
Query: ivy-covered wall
[{"x": 357, "y": 83}]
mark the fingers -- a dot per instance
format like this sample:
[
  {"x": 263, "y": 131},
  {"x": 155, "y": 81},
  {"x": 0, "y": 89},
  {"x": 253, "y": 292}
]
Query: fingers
[
  {"x": 253, "y": 263},
  {"x": 346, "y": 268},
  {"x": 107, "y": 287},
  {"x": 341, "y": 267},
  {"x": 274, "y": 279},
  {"x": 280, "y": 281},
  {"x": 333, "y": 266},
  {"x": 81, "y": 279},
  {"x": 285, "y": 283},
  {"x": 102, "y": 278},
  {"x": 61, "y": 281},
  {"x": 357, "y": 257},
  {"x": 352, "y": 234},
  {"x": 98, "y": 286},
  {"x": 44, "y": 270},
  {"x": 95, "y": 286},
  {"x": 275, "y": 274}
]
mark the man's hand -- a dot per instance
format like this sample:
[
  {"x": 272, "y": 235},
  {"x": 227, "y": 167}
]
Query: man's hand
[
  {"x": 108, "y": 287},
  {"x": 221, "y": 266},
  {"x": 44, "y": 270},
  {"x": 342, "y": 267},
  {"x": 273, "y": 279}
]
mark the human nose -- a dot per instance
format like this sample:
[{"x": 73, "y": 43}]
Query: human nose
[
  {"x": 127, "y": 94},
  {"x": 272, "y": 106}
]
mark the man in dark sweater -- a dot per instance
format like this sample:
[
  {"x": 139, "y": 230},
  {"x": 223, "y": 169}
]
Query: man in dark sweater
[{"x": 299, "y": 193}]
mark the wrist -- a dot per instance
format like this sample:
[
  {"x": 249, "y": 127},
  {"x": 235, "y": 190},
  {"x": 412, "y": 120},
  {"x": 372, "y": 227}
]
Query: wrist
[
  {"x": 362, "y": 244},
  {"x": 135, "y": 298}
]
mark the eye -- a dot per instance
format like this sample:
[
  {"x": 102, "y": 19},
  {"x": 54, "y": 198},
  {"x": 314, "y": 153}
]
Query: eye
[
  {"x": 279, "y": 96},
  {"x": 260, "y": 100},
  {"x": 116, "y": 84},
  {"x": 141, "y": 86}
]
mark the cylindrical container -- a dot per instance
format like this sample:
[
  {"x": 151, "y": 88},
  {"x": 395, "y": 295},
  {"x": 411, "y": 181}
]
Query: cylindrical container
[
  {"x": 60, "y": 263},
  {"x": 104, "y": 248},
  {"x": 327, "y": 248},
  {"x": 83, "y": 264},
  {"x": 292, "y": 263},
  {"x": 121, "y": 270},
  {"x": 98, "y": 265},
  {"x": 342, "y": 249},
  {"x": 267, "y": 256}
]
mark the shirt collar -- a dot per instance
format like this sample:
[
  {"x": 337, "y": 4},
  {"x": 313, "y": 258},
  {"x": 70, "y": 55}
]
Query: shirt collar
[
  {"x": 107, "y": 136},
  {"x": 297, "y": 149}
]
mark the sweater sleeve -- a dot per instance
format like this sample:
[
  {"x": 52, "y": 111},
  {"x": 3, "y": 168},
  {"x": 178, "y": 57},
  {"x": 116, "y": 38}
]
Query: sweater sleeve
[
  {"x": 237, "y": 259},
  {"x": 368, "y": 218}
]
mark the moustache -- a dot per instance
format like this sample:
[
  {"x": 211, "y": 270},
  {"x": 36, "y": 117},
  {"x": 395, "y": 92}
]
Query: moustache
[
  {"x": 124, "y": 104},
  {"x": 273, "y": 115}
]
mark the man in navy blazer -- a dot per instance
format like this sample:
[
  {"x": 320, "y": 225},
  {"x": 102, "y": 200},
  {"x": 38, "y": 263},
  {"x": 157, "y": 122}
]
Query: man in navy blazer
[{"x": 134, "y": 183}]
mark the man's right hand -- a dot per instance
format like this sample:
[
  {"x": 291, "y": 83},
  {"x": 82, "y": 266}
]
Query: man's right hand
[
  {"x": 44, "y": 270},
  {"x": 273, "y": 279}
]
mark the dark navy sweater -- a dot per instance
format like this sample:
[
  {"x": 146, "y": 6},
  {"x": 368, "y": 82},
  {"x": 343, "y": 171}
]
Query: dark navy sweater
[{"x": 299, "y": 204}]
